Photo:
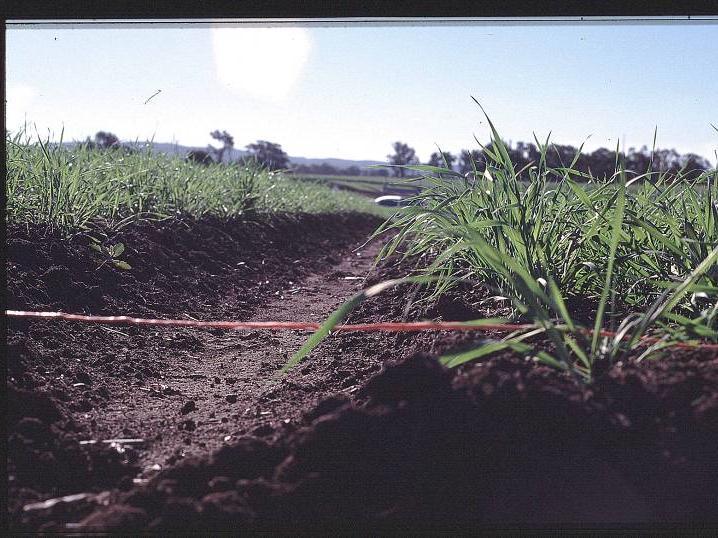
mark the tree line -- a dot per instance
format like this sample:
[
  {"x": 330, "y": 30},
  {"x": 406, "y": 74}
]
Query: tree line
[
  {"x": 268, "y": 154},
  {"x": 271, "y": 155},
  {"x": 599, "y": 163}
]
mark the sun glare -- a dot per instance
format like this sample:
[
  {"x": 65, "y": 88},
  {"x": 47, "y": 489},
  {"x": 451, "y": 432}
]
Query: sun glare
[{"x": 263, "y": 62}]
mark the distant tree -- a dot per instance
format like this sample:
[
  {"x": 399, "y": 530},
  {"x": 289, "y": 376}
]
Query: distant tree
[
  {"x": 469, "y": 159},
  {"x": 527, "y": 152},
  {"x": 522, "y": 155},
  {"x": 268, "y": 154},
  {"x": 561, "y": 156},
  {"x": 638, "y": 162},
  {"x": 199, "y": 156},
  {"x": 442, "y": 159},
  {"x": 227, "y": 143},
  {"x": 558, "y": 156},
  {"x": 694, "y": 165},
  {"x": 102, "y": 140},
  {"x": 435, "y": 159},
  {"x": 106, "y": 140},
  {"x": 352, "y": 171},
  {"x": 667, "y": 160},
  {"x": 602, "y": 163},
  {"x": 403, "y": 155}
]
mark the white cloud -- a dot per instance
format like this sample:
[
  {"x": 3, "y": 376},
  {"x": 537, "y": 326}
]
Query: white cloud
[{"x": 263, "y": 62}]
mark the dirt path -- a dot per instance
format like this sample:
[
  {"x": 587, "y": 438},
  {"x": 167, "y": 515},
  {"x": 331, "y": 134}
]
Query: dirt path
[{"x": 228, "y": 387}]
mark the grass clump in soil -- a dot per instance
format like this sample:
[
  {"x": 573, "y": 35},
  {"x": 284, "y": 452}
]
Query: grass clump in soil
[
  {"x": 80, "y": 188},
  {"x": 573, "y": 254}
]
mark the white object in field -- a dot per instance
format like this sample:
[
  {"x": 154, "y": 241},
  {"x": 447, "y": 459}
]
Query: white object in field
[{"x": 391, "y": 200}]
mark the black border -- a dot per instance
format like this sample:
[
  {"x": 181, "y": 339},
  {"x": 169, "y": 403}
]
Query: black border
[
  {"x": 4, "y": 498},
  {"x": 204, "y": 9}
]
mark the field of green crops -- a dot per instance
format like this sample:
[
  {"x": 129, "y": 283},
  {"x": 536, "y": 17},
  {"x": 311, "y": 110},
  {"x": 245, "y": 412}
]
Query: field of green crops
[
  {"x": 638, "y": 251},
  {"x": 81, "y": 188}
]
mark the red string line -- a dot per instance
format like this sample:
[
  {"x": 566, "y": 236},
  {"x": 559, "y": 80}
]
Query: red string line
[{"x": 413, "y": 326}]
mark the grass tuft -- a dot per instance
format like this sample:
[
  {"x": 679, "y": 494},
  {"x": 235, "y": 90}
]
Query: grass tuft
[{"x": 570, "y": 249}]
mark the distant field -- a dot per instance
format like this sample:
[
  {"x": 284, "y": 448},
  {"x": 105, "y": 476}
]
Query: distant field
[
  {"x": 376, "y": 186},
  {"x": 367, "y": 185}
]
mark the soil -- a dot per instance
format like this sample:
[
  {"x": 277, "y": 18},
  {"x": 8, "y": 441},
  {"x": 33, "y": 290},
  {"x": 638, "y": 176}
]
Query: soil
[{"x": 369, "y": 431}]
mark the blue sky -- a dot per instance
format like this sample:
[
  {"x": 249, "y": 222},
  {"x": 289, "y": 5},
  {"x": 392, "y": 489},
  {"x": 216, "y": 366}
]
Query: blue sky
[{"x": 351, "y": 91}]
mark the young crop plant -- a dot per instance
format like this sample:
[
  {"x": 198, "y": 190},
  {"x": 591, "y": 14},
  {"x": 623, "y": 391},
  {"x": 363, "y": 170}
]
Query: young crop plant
[{"x": 601, "y": 268}]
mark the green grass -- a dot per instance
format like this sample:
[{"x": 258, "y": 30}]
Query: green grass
[
  {"x": 638, "y": 256},
  {"x": 81, "y": 188}
]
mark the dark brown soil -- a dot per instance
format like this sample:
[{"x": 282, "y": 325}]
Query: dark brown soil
[
  {"x": 180, "y": 391},
  {"x": 370, "y": 431}
]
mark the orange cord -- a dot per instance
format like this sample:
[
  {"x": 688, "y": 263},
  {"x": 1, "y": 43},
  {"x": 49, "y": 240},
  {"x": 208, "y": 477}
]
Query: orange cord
[{"x": 302, "y": 325}]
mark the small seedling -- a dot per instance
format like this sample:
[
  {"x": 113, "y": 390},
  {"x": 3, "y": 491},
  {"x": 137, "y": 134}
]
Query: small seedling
[{"x": 110, "y": 253}]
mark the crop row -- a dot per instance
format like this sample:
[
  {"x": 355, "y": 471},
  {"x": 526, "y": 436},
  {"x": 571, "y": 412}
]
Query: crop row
[
  {"x": 637, "y": 251},
  {"x": 84, "y": 187}
]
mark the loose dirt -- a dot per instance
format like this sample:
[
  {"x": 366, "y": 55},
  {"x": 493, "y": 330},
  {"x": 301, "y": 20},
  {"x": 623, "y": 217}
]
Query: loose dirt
[
  {"x": 226, "y": 385},
  {"x": 171, "y": 393},
  {"x": 369, "y": 432}
]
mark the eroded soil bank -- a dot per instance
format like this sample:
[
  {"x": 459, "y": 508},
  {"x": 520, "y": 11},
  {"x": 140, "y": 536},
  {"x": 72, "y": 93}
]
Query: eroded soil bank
[{"x": 370, "y": 432}]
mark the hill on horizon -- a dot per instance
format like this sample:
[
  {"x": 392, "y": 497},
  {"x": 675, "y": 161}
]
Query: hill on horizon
[{"x": 235, "y": 154}]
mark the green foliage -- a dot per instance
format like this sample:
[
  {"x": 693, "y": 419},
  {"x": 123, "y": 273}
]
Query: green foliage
[
  {"x": 610, "y": 244},
  {"x": 403, "y": 155},
  {"x": 639, "y": 256},
  {"x": 227, "y": 143},
  {"x": 110, "y": 253},
  {"x": 268, "y": 155},
  {"x": 83, "y": 188},
  {"x": 442, "y": 158}
]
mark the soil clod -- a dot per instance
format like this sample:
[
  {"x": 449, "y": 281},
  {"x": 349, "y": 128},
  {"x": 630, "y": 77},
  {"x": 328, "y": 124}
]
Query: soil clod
[{"x": 188, "y": 407}]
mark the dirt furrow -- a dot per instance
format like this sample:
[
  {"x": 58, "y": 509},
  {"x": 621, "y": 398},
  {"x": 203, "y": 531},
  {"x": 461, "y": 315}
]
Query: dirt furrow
[
  {"x": 72, "y": 386},
  {"x": 229, "y": 386}
]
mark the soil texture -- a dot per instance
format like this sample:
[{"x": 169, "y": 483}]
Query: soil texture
[{"x": 369, "y": 432}]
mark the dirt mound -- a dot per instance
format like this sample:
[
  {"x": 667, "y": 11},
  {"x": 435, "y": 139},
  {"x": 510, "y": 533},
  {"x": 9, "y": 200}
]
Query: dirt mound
[
  {"x": 46, "y": 458},
  {"x": 173, "y": 263},
  {"x": 502, "y": 443},
  {"x": 210, "y": 268}
]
